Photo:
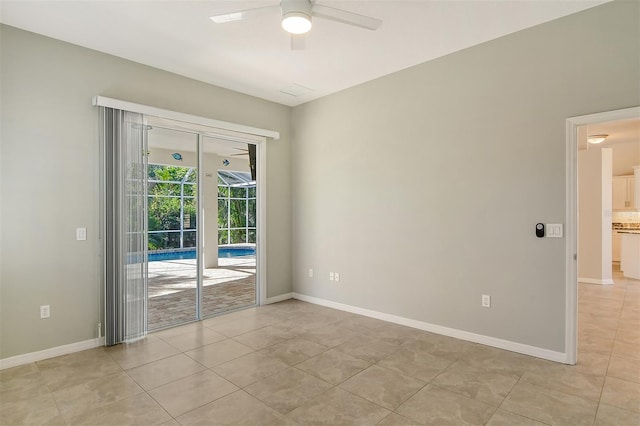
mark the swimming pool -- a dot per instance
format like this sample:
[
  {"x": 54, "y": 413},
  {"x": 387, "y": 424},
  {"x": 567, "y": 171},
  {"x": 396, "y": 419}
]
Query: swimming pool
[{"x": 191, "y": 254}]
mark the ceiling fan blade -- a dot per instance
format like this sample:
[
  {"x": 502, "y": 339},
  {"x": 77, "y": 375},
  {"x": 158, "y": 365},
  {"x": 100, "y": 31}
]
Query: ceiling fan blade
[
  {"x": 345, "y": 17},
  {"x": 297, "y": 41},
  {"x": 243, "y": 14}
]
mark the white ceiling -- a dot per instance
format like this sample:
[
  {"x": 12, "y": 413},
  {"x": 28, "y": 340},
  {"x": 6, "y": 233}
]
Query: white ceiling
[
  {"x": 623, "y": 138},
  {"x": 620, "y": 131},
  {"x": 254, "y": 56}
]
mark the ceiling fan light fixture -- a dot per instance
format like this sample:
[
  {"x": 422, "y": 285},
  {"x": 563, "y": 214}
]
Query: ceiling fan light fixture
[
  {"x": 296, "y": 22},
  {"x": 596, "y": 139}
]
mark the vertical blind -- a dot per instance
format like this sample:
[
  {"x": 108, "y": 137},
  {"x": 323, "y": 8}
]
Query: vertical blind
[{"x": 125, "y": 246}]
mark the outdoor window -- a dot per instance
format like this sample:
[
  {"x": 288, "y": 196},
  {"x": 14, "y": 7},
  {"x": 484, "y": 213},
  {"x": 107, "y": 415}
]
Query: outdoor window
[
  {"x": 172, "y": 207},
  {"x": 172, "y": 198},
  {"x": 236, "y": 208}
]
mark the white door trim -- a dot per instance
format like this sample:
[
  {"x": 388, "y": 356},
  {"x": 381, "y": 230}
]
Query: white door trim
[{"x": 571, "y": 274}]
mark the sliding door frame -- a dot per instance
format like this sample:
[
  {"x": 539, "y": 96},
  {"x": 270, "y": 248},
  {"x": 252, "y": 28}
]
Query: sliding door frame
[
  {"x": 261, "y": 214},
  {"x": 224, "y": 130},
  {"x": 199, "y": 228}
]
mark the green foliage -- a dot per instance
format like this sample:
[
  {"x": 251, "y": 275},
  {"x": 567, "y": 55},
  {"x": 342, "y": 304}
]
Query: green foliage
[
  {"x": 164, "y": 208},
  {"x": 236, "y": 211},
  {"x": 171, "y": 173},
  {"x": 164, "y": 204}
]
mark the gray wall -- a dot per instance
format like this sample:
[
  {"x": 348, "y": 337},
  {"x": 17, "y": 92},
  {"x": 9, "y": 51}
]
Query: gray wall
[
  {"x": 50, "y": 179},
  {"x": 422, "y": 188}
]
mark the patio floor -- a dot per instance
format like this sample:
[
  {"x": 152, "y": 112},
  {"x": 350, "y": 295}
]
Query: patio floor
[{"x": 172, "y": 289}]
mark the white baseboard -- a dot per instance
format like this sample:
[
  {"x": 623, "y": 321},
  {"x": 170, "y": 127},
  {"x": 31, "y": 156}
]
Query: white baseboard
[
  {"x": 28, "y": 358},
  {"x": 446, "y": 331},
  {"x": 276, "y": 299},
  {"x": 433, "y": 328},
  {"x": 595, "y": 281}
]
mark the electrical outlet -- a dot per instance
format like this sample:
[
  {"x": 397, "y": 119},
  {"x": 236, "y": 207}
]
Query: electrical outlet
[
  {"x": 486, "y": 301},
  {"x": 45, "y": 311},
  {"x": 330, "y": 276},
  {"x": 336, "y": 276},
  {"x": 310, "y": 272}
]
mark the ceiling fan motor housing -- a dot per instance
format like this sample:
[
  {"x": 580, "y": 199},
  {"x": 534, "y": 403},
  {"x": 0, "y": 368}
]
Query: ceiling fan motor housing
[{"x": 296, "y": 8}]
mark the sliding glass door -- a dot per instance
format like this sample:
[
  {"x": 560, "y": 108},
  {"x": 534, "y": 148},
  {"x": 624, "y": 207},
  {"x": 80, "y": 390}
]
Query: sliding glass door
[
  {"x": 229, "y": 219},
  {"x": 202, "y": 227},
  {"x": 180, "y": 224},
  {"x": 172, "y": 240}
]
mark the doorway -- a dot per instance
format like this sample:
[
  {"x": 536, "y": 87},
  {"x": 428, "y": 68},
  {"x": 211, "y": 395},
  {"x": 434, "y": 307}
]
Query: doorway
[
  {"x": 202, "y": 224},
  {"x": 578, "y": 128}
]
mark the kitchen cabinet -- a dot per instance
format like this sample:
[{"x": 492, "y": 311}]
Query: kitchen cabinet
[
  {"x": 630, "y": 261},
  {"x": 623, "y": 193},
  {"x": 616, "y": 245}
]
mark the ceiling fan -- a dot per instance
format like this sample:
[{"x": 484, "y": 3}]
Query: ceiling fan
[
  {"x": 251, "y": 152},
  {"x": 244, "y": 152},
  {"x": 296, "y": 18}
]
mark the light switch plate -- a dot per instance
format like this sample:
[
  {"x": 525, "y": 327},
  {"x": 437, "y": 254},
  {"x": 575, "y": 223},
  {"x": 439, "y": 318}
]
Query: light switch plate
[
  {"x": 486, "y": 301},
  {"x": 81, "y": 234},
  {"x": 554, "y": 230},
  {"x": 45, "y": 311}
]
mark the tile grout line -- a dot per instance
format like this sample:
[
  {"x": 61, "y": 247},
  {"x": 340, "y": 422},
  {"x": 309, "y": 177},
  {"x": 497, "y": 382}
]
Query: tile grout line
[
  {"x": 606, "y": 372},
  {"x": 610, "y": 354},
  {"x": 398, "y": 347},
  {"x": 205, "y": 368},
  {"x": 517, "y": 414},
  {"x": 51, "y": 394},
  {"x": 626, "y": 291}
]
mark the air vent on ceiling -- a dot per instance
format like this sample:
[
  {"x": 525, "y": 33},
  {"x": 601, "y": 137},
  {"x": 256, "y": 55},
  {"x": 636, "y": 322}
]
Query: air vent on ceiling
[{"x": 296, "y": 90}]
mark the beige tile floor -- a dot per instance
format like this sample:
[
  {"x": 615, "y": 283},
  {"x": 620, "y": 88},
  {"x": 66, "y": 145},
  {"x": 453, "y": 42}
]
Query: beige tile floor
[{"x": 296, "y": 363}]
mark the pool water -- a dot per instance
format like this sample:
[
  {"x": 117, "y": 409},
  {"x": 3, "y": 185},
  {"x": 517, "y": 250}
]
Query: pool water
[
  {"x": 236, "y": 251},
  {"x": 191, "y": 254}
]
